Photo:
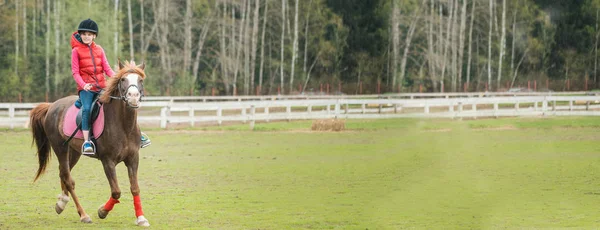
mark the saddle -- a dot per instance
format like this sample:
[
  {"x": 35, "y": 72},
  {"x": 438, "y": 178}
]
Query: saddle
[{"x": 73, "y": 118}]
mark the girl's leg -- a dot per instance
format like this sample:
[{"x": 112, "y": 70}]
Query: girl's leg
[{"x": 87, "y": 98}]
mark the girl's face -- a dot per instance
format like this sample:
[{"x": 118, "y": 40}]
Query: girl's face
[{"x": 87, "y": 37}]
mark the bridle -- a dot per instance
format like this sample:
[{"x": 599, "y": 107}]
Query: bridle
[{"x": 123, "y": 93}]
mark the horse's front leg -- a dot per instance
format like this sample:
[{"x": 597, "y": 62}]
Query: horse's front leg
[
  {"x": 132, "y": 167},
  {"x": 115, "y": 192}
]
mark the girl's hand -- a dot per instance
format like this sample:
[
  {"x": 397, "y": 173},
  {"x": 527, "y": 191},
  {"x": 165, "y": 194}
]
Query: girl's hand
[{"x": 87, "y": 87}]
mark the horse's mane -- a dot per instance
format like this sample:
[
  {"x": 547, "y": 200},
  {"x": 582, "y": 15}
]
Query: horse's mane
[{"x": 112, "y": 84}]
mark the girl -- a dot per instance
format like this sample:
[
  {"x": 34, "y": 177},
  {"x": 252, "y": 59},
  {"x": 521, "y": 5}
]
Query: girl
[{"x": 89, "y": 64}]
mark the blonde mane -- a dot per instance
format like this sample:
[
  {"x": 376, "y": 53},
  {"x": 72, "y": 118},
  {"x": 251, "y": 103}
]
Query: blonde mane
[{"x": 112, "y": 84}]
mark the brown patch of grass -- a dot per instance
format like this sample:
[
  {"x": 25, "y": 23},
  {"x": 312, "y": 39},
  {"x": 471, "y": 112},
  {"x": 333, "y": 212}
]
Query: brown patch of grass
[{"x": 328, "y": 125}]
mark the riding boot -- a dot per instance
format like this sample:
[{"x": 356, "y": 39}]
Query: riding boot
[{"x": 145, "y": 140}]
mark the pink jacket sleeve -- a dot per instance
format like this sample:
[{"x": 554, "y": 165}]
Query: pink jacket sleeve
[
  {"x": 106, "y": 66},
  {"x": 75, "y": 68}
]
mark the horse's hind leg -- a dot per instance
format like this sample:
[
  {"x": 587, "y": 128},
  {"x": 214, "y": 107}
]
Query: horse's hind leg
[
  {"x": 69, "y": 184},
  {"x": 63, "y": 198}
]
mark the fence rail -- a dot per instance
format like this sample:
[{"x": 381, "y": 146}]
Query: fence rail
[{"x": 167, "y": 111}]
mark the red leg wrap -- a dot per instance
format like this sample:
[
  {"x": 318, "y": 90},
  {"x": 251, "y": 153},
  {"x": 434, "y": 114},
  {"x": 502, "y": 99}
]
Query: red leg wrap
[
  {"x": 137, "y": 204},
  {"x": 110, "y": 204}
]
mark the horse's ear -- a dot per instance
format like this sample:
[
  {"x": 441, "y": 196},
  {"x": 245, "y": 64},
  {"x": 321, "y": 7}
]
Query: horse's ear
[
  {"x": 120, "y": 63},
  {"x": 142, "y": 66}
]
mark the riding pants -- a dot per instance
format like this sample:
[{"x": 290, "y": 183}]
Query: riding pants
[{"x": 87, "y": 98}]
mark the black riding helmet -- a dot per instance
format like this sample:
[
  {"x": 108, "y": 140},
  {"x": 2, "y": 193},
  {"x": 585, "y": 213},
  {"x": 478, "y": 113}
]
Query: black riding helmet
[{"x": 88, "y": 25}]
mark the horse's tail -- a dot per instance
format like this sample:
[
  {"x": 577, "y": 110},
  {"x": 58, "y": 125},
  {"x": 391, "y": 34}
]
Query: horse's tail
[{"x": 36, "y": 119}]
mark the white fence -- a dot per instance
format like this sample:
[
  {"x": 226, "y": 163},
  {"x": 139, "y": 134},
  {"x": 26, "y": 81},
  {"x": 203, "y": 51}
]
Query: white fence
[{"x": 168, "y": 111}]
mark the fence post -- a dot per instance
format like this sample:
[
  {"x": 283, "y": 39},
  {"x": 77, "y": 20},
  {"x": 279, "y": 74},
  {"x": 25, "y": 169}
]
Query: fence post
[
  {"x": 11, "y": 115},
  {"x": 337, "y": 108},
  {"x": 267, "y": 113},
  {"x": 219, "y": 116},
  {"x": 426, "y": 109},
  {"x": 460, "y": 109},
  {"x": 163, "y": 117},
  {"x": 517, "y": 106},
  {"x": 192, "y": 117},
  {"x": 252, "y": 113},
  {"x": 363, "y": 108},
  {"x": 587, "y": 105},
  {"x": 496, "y": 109},
  {"x": 570, "y": 105},
  {"x": 244, "y": 117},
  {"x": 544, "y": 106},
  {"x": 288, "y": 112},
  {"x": 474, "y": 108}
]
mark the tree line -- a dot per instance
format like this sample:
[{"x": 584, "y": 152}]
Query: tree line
[{"x": 250, "y": 47}]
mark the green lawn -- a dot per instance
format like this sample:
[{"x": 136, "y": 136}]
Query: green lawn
[{"x": 379, "y": 174}]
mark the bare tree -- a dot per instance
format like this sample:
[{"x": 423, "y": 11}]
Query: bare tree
[
  {"x": 116, "y": 21},
  {"x": 47, "y": 82},
  {"x": 514, "y": 36},
  {"x": 430, "y": 47},
  {"x": 489, "y": 61},
  {"x": 187, "y": 44},
  {"x": 208, "y": 19},
  {"x": 25, "y": 28},
  {"x": 470, "y": 43},
  {"x": 223, "y": 52},
  {"x": 307, "y": 22},
  {"x": 17, "y": 38},
  {"x": 294, "y": 48},
  {"x": 407, "y": 42},
  {"x": 283, "y": 19},
  {"x": 142, "y": 28},
  {"x": 395, "y": 40},
  {"x": 161, "y": 15},
  {"x": 238, "y": 43},
  {"x": 262, "y": 45},
  {"x": 447, "y": 41},
  {"x": 246, "y": 42},
  {"x": 502, "y": 44},
  {"x": 129, "y": 19},
  {"x": 461, "y": 40},
  {"x": 57, "y": 42},
  {"x": 596, "y": 48},
  {"x": 254, "y": 43}
]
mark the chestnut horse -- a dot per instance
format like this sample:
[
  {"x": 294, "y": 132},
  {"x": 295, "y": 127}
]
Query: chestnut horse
[{"x": 120, "y": 141}]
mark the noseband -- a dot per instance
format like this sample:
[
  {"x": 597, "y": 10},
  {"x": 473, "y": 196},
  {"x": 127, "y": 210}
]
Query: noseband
[{"x": 123, "y": 93}]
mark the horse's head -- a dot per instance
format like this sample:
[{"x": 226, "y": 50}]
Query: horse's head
[{"x": 127, "y": 84}]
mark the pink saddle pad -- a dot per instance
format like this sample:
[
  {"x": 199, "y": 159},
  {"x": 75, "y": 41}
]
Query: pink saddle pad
[{"x": 70, "y": 124}]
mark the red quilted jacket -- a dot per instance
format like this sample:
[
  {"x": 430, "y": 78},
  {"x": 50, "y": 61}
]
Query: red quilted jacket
[{"x": 90, "y": 63}]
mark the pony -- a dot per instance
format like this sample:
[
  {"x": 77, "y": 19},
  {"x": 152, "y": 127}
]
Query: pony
[{"x": 120, "y": 141}]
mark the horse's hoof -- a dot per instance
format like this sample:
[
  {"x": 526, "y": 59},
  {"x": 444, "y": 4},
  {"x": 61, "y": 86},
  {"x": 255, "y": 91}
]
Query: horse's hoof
[
  {"x": 142, "y": 221},
  {"x": 58, "y": 209},
  {"x": 102, "y": 213},
  {"x": 61, "y": 203},
  {"x": 86, "y": 219}
]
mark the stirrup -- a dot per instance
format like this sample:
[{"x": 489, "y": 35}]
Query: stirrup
[{"x": 90, "y": 150}]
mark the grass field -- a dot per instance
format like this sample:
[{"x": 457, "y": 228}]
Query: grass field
[{"x": 510, "y": 173}]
